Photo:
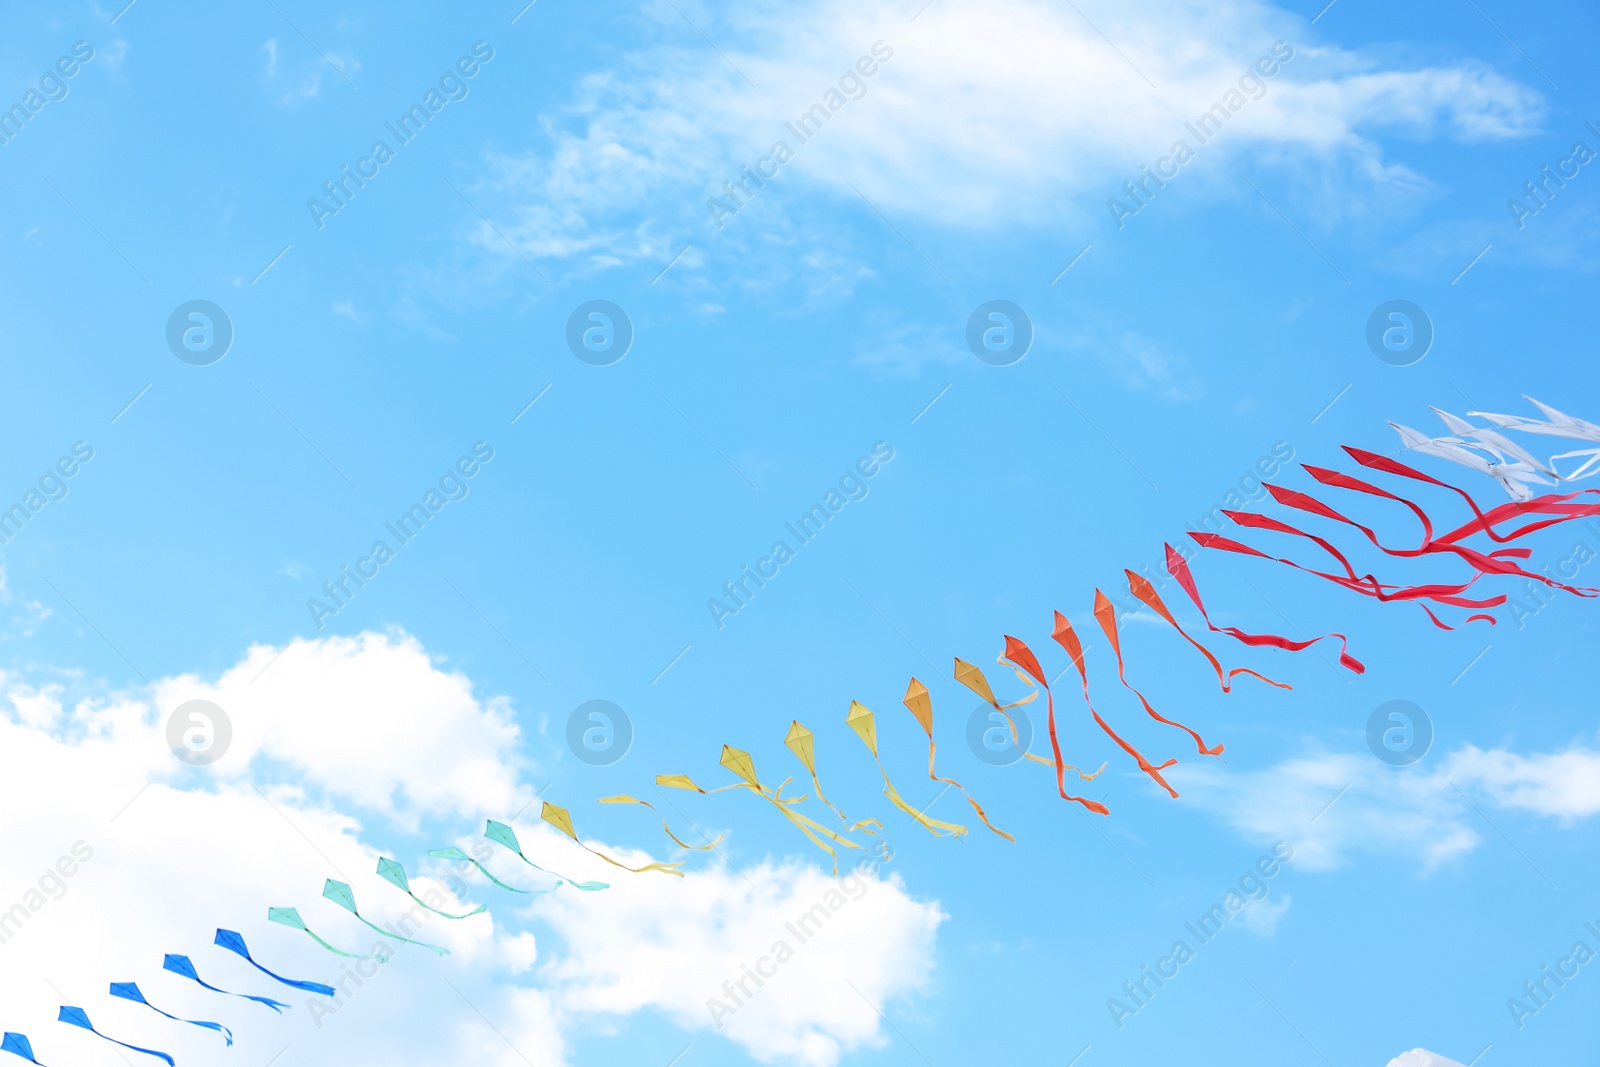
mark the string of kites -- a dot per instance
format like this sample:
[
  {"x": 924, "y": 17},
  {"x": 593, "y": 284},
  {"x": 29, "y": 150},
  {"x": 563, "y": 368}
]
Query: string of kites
[{"x": 1484, "y": 449}]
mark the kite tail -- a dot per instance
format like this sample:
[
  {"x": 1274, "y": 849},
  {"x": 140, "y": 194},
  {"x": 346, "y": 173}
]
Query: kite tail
[
  {"x": 623, "y": 798},
  {"x": 561, "y": 819},
  {"x": 1021, "y": 657},
  {"x": 1141, "y": 587},
  {"x": 1484, "y": 563},
  {"x": 920, "y": 704},
  {"x": 1178, "y": 567},
  {"x": 1067, "y": 638},
  {"x": 79, "y": 1018},
  {"x": 1106, "y": 615}
]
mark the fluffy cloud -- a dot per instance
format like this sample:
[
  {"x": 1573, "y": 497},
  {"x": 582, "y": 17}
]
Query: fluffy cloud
[
  {"x": 1333, "y": 804},
  {"x": 825, "y": 955},
  {"x": 1006, "y": 112},
  {"x": 117, "y": 853},
  {"x": 370, "y": 720},
  {"x": 1562, "y": 785}
]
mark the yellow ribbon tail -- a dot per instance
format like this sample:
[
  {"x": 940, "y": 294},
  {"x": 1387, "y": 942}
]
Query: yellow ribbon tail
[
  {"x": 561, "y": 819},
  {"x": 921, "y": 706},
  {"x": 934, "y": 826},
  {"x": 664, "y": 868},
  {"x": 623, "y": 798},
  {"x": 811, "y": 828},
  {"x": 739, "y": 763}
]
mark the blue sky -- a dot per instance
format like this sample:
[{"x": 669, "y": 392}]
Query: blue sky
[{"x": 584, "y": 158}]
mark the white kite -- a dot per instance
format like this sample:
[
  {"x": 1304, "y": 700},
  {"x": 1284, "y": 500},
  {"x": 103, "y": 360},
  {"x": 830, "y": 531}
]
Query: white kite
[
  {"x": 1487, "y": 452},
  {"x": 1559, "y": 425}
]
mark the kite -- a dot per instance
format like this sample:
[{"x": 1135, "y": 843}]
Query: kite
[
  {"x": 561, "y": 819},
  {"x": 1559, "y": 426},
  {"x": 1021, "y": 657},
  {"x": 395, "y": 875},
  {"x": 1106, "y": 616},
  {"x": 920, "y": 704},
  {"x": 291, "y": 918},
  {"x": 130, "y": 991},
  {"x": 1178, "y": 567},
  {"x": 1067, "y": 638},
  {"x": 182, "y": 965},
  {"x": 971, "y": 677},
  {"x": 340, "y": 894},
  {"x": 1141, "y": 588},
  {"x": 1514, "y": 476},
  {"x": 235, "y": 944},
  {"x": 623, "y": 798},
  {"x": 738, "y": 762},
  {"x": 1488, "y": 451},
  {"x": 802, "y": 742},
  {"x": 860, "y": 719},
  {"x": 17, "y": 1044},
  {"x": 77, "y": 1017},
  {"x": 453, "y": 853},
  {"x": 502, "y": 834}
]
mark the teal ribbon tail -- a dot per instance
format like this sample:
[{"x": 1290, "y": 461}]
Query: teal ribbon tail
[
  {"x": 291, "y": 918},
  {"x": 475, "y": 911},
  {"x": 501, "y": 834},
  {"x": 395, "y": 875},
  {"x": 456, "y": 854},
  {"x": 341, "y": 894}
]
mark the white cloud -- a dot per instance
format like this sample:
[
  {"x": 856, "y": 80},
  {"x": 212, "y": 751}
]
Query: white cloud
[
  {"x": 1562, "y": 785},
  {"x": 339, "y": 745},
  {"x": 1004, "y": 113},
  {"x": 1379, "y": 808},
  {"x": 830, "y": 949},
  {"x": 1330, "y": 805},
  {"x": 370, "y": 720}
]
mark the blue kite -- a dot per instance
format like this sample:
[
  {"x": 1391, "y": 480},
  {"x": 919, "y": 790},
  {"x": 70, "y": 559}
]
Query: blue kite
[
  {"x": 181, "y": 965},
  {"x": 78, "y": 1017},
  {"x": 17, "y": 1044},
  {"x": 130, "y": 991},
  {"x": 234, "y": 943}
]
